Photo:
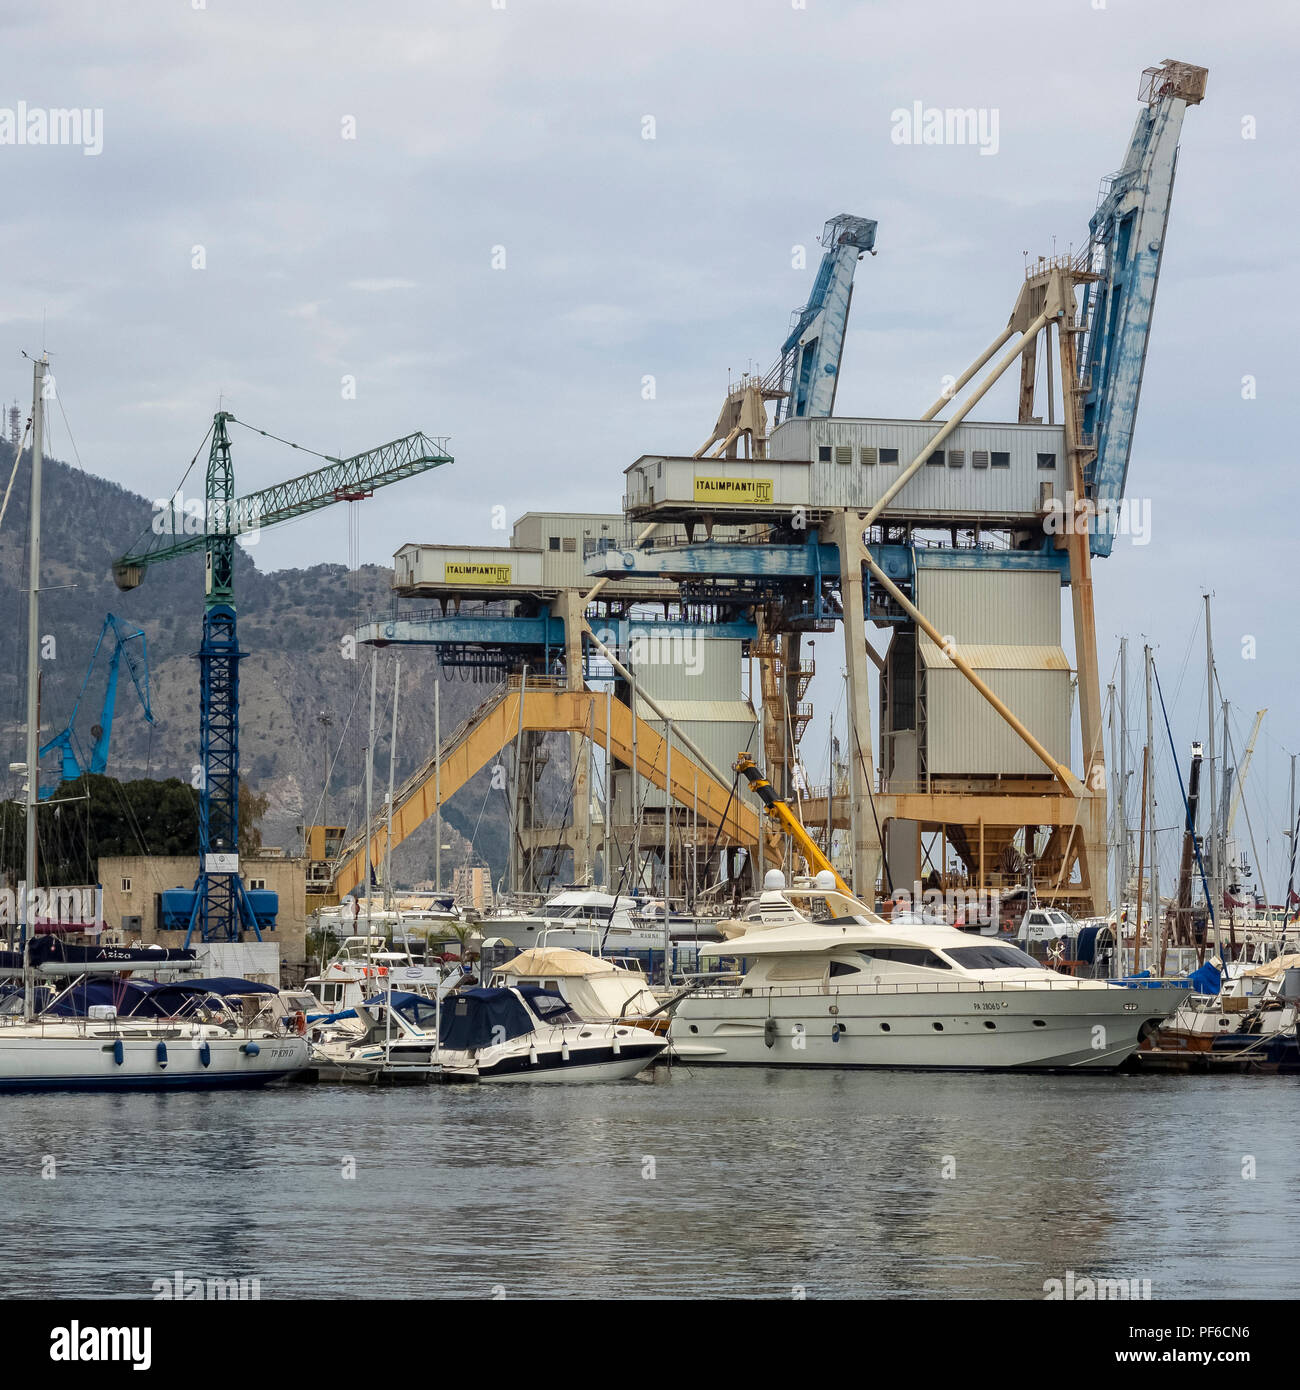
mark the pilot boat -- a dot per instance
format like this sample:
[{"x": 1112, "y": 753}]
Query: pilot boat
[{"x": 826, "y": 982}]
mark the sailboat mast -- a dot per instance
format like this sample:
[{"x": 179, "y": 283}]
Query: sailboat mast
[
  {"x": 392, "y": 768},
  {"x": 370, "y": 790},
  {"x": 1123, "y": 779},
  {"x": 33, "y": 658},
  {"x": 1156, "y": 927},
  {"x": 1211, "y": 831}
]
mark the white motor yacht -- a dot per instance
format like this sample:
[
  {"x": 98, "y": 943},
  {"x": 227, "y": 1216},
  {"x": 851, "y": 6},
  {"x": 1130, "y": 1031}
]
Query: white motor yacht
[
  {"x": 581, "y": 919},
  {"x": 826, "y": 982}
]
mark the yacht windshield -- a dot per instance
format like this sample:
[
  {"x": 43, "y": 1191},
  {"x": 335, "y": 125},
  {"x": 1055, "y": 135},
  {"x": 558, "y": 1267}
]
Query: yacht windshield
[{"x": 992, "y": 958}]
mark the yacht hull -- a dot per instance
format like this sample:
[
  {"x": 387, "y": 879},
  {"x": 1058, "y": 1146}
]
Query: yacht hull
[
  {"x": 88, "y": 1060},
  {"x": 984, "y": 1030}
]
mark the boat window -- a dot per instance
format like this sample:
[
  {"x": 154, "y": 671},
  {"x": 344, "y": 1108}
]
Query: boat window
[
  {"x": 840, "y": 967},
  {"x": 907, "y": 955},
  {"x": 993, "y": 958}
]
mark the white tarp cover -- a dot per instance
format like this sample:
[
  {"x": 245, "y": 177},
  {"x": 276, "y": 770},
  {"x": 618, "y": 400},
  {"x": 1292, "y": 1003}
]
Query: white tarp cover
[{"x": 555, "y": 961}]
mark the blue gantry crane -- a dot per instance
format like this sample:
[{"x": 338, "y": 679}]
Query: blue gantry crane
[
  {"x": 73, "y": 757},
  {"x": 1127, "y": 238},
  {"x": 221, "y": 905}
]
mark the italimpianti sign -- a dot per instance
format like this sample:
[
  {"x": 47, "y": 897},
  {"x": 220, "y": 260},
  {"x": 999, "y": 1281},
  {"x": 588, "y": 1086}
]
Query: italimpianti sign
[
  {"x": 454, "y": 573},
  {"x": 733, "y": 489}
]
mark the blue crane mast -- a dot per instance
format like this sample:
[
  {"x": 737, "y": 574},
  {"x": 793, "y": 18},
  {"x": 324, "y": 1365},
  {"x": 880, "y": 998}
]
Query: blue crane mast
[
  {"x": 809, "y": 366},
  {"x": 67, "y": 742},
  {"x": 1127, "y": 237},
  {"x": 221, "y": 906}
]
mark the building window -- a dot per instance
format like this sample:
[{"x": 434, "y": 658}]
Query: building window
[
  {"x": 554, "y": 542},
  {"x": 1000, "y": 460},
  {"x": 844, "y": 453},
  {"x": 979, "y": 458},
  {"x": 1047, "y": 460},
  {"x": 823, "y": 453},
  {"x": 888, "y": 455},
  {"x": 870, "y": 455},
  {"x": 936, "y": 459},
  {"x": 126, "y": 885},
  {"x": 956, "y": 458},
  {"x": 256, "y": 883}
]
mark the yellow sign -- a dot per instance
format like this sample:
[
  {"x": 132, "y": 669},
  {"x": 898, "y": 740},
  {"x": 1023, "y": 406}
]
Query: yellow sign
[
  {"x": 745, "y": 490},
  {"x": 456, "y": 573}
]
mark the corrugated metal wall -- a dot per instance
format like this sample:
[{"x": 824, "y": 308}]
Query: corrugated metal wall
[{"x": 1021, "y": 612}]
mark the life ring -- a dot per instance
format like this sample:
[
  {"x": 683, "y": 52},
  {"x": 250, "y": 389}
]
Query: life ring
[{"x": 300, "y": 1023}]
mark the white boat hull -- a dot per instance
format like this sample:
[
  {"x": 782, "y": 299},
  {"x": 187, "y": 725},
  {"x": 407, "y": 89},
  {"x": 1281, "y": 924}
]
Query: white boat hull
[
  {"x": 74, "y": 1056},
  {"x": 991, "y": 1029}
]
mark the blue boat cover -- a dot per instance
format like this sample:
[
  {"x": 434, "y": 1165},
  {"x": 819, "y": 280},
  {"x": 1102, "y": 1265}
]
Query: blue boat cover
[
  {"x": 1205, "y": 979},
  {"x": 229, "y": 984},
  {"x": 480, "y": 1017}
]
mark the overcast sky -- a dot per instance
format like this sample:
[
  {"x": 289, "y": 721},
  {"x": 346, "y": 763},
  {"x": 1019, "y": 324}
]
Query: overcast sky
[{"x": 517, "y": 128}]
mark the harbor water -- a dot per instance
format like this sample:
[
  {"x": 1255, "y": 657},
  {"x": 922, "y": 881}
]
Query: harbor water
[{"x": 695, "y": 1184}]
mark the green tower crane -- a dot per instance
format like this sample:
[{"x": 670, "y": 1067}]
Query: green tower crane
[{"x": 221, "y": 905}]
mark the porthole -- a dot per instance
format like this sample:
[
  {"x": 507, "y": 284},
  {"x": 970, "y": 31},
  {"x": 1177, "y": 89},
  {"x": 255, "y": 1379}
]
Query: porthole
[
  {"x": 694, "y": 1029},
  {"x": 988, "y": 1023},
  {"x": 938, "y": 1027},
  {"x": 884, "y": 1028},
  {"x": 1040, "y": 1023}
]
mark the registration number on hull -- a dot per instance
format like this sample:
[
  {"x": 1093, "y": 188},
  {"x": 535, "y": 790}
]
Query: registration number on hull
[{"x": 981, "y": 1006}]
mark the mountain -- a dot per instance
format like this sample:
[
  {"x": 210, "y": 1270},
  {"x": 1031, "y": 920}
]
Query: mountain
[{"x": 296, "y": 675}]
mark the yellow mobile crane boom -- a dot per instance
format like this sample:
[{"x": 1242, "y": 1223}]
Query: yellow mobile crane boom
[{"x": 779, "y": 810}]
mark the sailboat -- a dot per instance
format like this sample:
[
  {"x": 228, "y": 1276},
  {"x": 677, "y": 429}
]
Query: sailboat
[{"x": 149, "y": 1041}]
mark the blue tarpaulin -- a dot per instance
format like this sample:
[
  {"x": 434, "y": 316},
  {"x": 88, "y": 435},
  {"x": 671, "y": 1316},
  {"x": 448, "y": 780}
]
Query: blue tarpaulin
[{"x": 1205, "y": 979}]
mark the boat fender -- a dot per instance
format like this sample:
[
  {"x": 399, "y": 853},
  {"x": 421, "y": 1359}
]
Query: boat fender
[
  {"x": 161, "y": 1052},
  {"x": 119, "y": 1052},
  {"x": 532, "y": 1055},
  {"x": 205, "y": 1053},
  {"x": 835, "y": 1033},
  {"x": 250, "y": 1049},
  {"x": 564, "y": 1051},
  {"x": 769, "y": 1032},
  {"x": 618, "y": 1046},
  {"x": 300, "y": 1023}
]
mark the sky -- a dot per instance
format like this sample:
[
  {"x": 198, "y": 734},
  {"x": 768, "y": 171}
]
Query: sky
[{"x": 494, "y": 219}]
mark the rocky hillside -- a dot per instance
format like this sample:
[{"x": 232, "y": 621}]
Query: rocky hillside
[{"x": 296, "y": 676}]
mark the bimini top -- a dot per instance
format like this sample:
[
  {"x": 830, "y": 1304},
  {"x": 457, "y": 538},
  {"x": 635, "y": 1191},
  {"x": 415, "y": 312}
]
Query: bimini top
[{"x": 482, "y": 1017}]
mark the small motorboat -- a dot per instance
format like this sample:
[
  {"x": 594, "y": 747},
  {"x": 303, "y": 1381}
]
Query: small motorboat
[{"x": 521, "y": 1033}]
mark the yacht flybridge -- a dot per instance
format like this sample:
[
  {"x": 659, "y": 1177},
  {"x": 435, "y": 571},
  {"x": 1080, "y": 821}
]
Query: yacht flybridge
[{"x": 826, "y": 982}]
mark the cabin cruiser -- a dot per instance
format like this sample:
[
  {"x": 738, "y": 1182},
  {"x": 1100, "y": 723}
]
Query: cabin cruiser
[
  {"x": 581, "y": 919},
  {"x": 363, "y": 965},
  {"x": 600, "y": 991},
  {"x": 522, "y": 1034},
  {"x": 826, "y": 982},
  {"x": 1247, "y": 1008}
]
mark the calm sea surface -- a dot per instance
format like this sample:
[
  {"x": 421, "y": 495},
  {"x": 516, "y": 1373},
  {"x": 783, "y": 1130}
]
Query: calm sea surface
[{"x": 705, "y": 1183}]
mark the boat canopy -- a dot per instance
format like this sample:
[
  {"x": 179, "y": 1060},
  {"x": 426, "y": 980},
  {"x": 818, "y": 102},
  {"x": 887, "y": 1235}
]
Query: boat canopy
[
  {"x": 553, "y": 962},
  {"x": 480, "y": 1017}
]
